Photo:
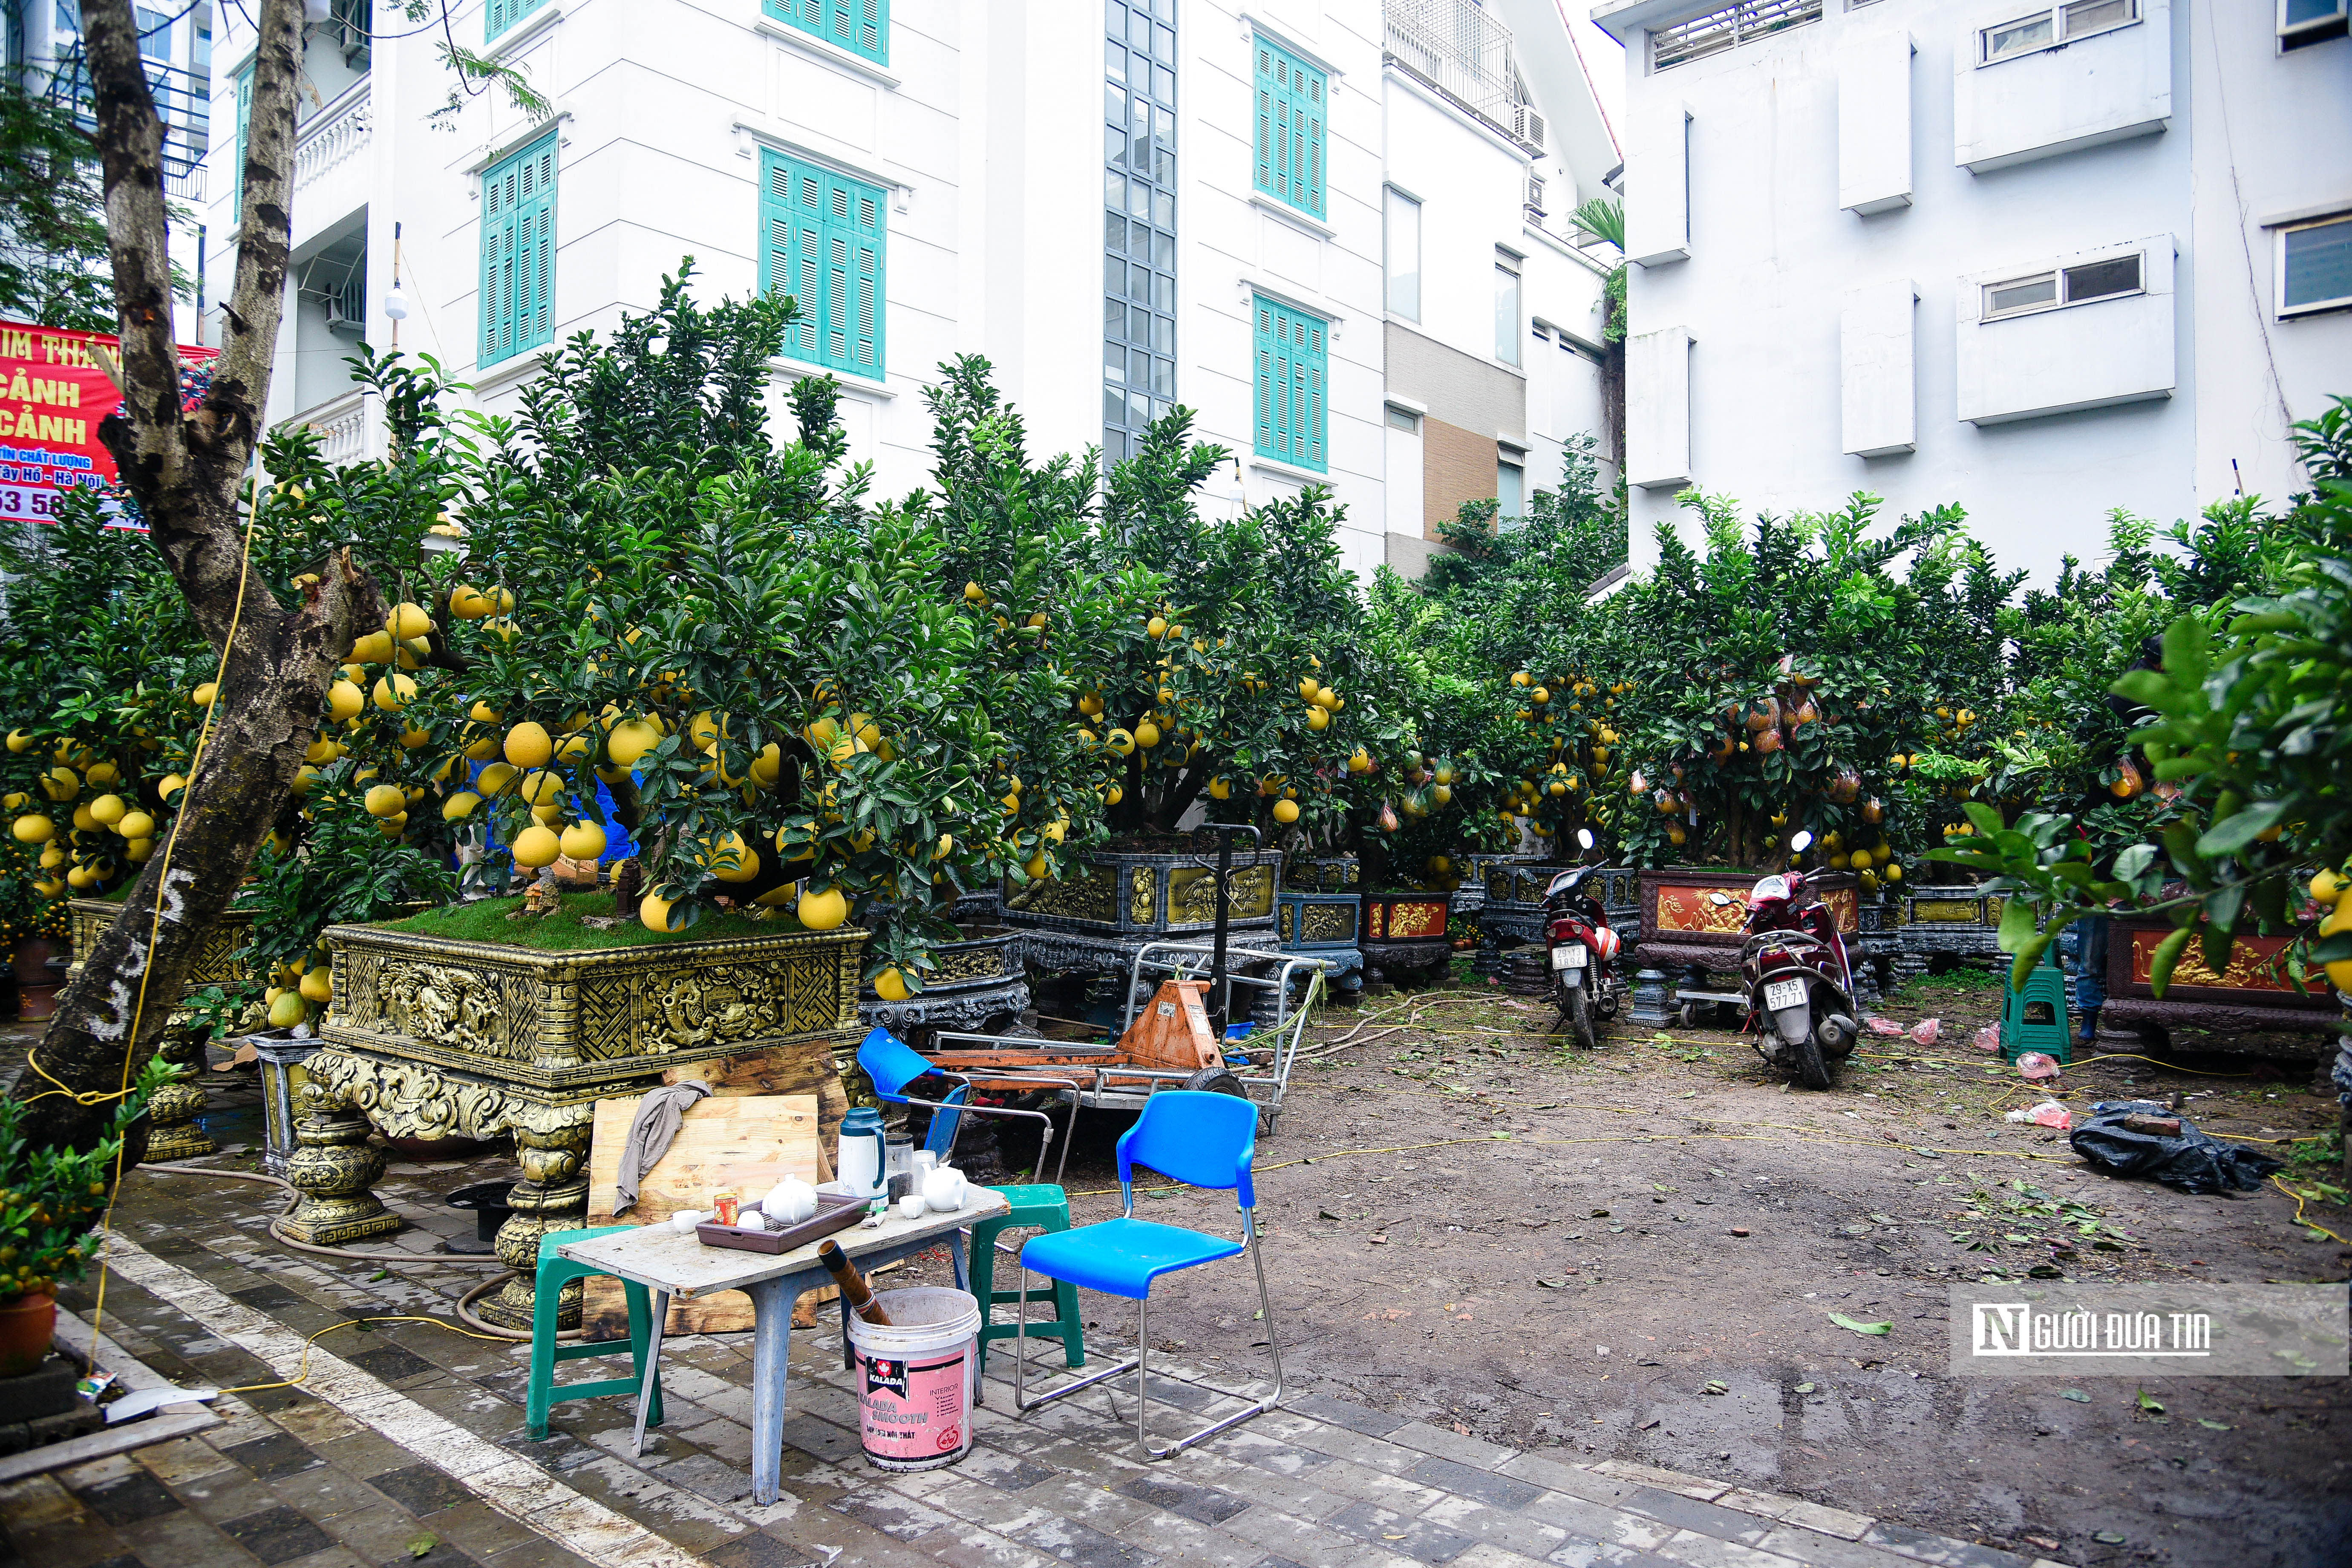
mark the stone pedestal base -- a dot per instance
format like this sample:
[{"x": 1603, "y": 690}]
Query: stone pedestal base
[
  {"x": 333, "y": 1167},
  {"x": 1649, "y": 998}
]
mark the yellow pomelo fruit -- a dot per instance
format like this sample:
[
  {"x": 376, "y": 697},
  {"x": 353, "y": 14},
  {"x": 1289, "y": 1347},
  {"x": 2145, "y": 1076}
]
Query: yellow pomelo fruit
[
  {"x": 629, "y": 740},
  {"x": 583, "y": 841},
  {"x": 891, "y": 985},
  {"x": 467, "y": 604},
  {"x": 495, "y": 777},
  {"x": 288, "y": 1010},
  {"x": 407, "y": 621},
  {"x": 386, "y": 800},
  {"x": 821, "y": 909},
  {"x": 729, "y": 859},
  {"x": 483, "y": 713},
  {"x": 203, "y": 694},
  {"x": 1319, "y": 717},
  {"x": 318, "y": 986},
  {"x": 657, "y": 913},
  {"x": 345, "y": 701},
  {"x": 20, "y": 740},
  {"x": 412, "y": 739},
  {"x": 459, "y": 806},
  {"x": 136, "y": 825},
  {"x": 394, "y": 691},
  {"x": 537, "y": 846},
  {"x": 2329, "y": 887},
  {"x": 539, "y": 787},
  {"x": 35, "y": 828},
  {"x": 1286, "y": 810},
  {"x": 482, "y": 748},
  {"x": 528, "y": 745},
  {"x": 1147, "y": 734},
  {"x": 107, "y": 810},
  {"x": 102, "y": 772}
]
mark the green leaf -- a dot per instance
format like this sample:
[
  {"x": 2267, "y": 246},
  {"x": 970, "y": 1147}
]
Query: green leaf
[
  {"x": 2148, "y": 1401},
  {"x": 2016, "y": 926},
  {"x": 2214, "y": 1425},
  {"x": 2029, "y": 955},
  {"x": 1987, "y": 820},
  {"x": 2184, "y": 651},
  {"x": 1842, "y": 1322},
  {"x": 2228, "y": 837},
  {"x": 2168, "y": 954},
  {"x": 422, "y": 1543}
]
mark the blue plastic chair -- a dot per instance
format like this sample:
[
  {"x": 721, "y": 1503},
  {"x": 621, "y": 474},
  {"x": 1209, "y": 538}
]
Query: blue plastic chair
[
  {"x": 1202, "y": 1140},
  {"x": 891, "y": 1064}
]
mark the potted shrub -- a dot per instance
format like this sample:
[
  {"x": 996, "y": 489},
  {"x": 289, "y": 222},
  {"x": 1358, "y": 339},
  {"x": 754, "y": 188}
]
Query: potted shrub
[{"x": 51, "y": 1201}]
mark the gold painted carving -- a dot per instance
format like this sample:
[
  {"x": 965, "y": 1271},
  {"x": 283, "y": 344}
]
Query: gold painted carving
[
  {"x": 1091, "y": 894},
  {"x": 1192, "y": 894},
  {"x": 1960, "y": 911},
  {"x": 1330, "y": 923},
  {"x": 450, "y": 1005},
  {"x": 1142, "y": 883}
]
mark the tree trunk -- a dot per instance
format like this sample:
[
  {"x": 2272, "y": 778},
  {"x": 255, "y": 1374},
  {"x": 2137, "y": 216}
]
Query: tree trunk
[{"x": 188, "y": 472}]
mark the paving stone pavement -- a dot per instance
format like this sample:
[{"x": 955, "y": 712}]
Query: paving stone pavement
[{"x": 405, "y": 1446}]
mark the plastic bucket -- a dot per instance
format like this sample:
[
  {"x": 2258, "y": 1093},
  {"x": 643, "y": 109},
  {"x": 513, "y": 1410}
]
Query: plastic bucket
[{"x": 915, "y": 1378}]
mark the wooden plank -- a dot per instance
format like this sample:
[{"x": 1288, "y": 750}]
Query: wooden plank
[{"x": 746, "y": 1142}]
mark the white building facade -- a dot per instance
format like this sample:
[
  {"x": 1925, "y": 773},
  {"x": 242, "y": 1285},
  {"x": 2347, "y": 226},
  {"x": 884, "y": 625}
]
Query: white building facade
[
  {"x": 922, "y": 175},
  {"x": 2041, "y": 261}
]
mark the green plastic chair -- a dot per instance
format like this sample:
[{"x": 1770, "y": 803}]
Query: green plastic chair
[
  {"x": 1036, "y": 1207},
  {"x": 2034, "y": 1019},
  {"x": 554, "y": 1274}
]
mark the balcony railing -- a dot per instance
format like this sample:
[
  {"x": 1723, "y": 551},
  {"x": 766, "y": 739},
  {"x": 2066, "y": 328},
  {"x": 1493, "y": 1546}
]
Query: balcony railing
[
  {"x": 1462, "y": 50},
  {"x": 336, "y": 134},
  {"x": 183, "y": 100},
  {"x": 345, "y": 425}
]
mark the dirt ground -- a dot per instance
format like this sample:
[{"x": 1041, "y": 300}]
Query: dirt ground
[{"x": 1471, "y": 1223}]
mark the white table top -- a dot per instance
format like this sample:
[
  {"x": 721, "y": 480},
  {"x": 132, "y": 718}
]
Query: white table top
[{"x": 678, "y": 1263}]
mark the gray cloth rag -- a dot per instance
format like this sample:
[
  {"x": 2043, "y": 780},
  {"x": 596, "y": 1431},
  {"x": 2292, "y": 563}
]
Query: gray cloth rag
[{"x": 655, "y": 1124}]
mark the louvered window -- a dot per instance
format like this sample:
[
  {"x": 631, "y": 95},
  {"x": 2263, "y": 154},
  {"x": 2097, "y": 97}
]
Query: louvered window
[
  {"x": 518, "y": 252},
  {"x": 1290, "y": 98},
  {"x": 1291, "y": 367},
  {"x": 500, "y": 15},
  {"x": 822, "y": 243},
  {"x": 861, "y": 26}
]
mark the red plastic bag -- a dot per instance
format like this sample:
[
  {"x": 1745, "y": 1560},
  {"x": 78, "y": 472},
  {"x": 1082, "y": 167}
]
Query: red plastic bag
[
  {"x": 1987, "y": 1039},
  {"x": 2037, "y": 1066},
  {"x": 1924, "y": 1032},
  {"x": 2048, "y": 1113},
  {"x": 1887, "y": 1027}
]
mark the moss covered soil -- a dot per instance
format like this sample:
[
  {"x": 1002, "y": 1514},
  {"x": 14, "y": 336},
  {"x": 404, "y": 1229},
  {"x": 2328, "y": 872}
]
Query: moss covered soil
[{"x": 484, "y": 920}]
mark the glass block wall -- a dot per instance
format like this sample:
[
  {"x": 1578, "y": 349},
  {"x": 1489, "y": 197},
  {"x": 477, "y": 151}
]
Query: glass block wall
[{"x": 1139, "y": 219}]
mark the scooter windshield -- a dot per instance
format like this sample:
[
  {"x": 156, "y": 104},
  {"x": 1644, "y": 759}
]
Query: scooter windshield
[
  {"x": 1566, "y": 882},
  {"x": 1771, "y": 890}
]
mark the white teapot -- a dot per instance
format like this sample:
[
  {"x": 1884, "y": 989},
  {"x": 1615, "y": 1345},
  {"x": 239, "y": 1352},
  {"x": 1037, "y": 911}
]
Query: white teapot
[
  {"x": 943, "y": 1190},
  {"x": 789, "y": 1201}
]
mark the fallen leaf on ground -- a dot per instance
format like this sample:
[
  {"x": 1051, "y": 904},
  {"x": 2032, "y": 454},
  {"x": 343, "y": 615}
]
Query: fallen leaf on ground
[
  {"x": 2213, "y": 1425},
  {"x": 1716, "y": 1388},
  {"x": 2150, "y": 1402},
  {"x": 1859, "y": 1327},
  {"x": 1804, "y": 1388},
  {"x": 422, "y": 1543},
  {"x": 2076, "y": 1395}
]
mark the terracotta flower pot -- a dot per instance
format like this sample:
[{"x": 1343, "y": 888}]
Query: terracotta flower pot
[{"x": 27, "y": 1322}]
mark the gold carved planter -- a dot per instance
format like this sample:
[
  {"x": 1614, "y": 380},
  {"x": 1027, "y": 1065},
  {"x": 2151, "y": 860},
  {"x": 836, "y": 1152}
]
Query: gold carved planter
[
  {"x": 174, "y": 1131},
  {"x": 434, "y": 1037}
]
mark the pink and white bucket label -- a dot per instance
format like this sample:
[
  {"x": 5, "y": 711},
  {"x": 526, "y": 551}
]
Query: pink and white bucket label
[{"x": 913, "y": 1412}]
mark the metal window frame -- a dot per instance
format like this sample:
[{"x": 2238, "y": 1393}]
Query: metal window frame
[
  {"x": 2057, "y": 272},
  {"x": 2310, "y": 308},
  {"x": 2060, "y": 34},
  {"x": 2318, "y": 30},
  {"x": 1720, "y": 31}
]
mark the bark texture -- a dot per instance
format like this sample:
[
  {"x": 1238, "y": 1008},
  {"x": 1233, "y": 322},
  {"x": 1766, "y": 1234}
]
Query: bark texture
[{"x": 187, "y": 470}]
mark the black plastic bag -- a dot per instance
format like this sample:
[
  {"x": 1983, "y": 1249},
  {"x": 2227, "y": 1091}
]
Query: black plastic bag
[{"x": 2189, "y": 1161}]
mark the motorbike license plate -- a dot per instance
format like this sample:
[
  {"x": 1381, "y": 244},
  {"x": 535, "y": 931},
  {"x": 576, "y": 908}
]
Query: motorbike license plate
[
  {"x": 1782, "y": 993},
  {"x": 1572, "y": 956}
]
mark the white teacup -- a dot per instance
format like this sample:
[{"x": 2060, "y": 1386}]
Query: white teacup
[
  {"x": 686, "y": 1219},
  {"x": 912, "y": 1206}
]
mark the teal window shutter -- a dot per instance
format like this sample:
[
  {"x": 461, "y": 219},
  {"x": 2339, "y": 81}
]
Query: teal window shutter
[
  {"x": 822, "y": 242},
  {"x": 500, "y": 15},
  {"x": 1291, "y": 106},
  {"x": 861, "y": 26},
  {"x": 244, "y": 114},
  {"x": 1292, "y": 366},
  {"x": 518, "y": 252}
]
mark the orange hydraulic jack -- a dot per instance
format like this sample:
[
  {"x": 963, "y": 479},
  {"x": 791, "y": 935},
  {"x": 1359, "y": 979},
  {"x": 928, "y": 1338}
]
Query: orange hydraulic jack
[{"x": 1169, "y": 1040}]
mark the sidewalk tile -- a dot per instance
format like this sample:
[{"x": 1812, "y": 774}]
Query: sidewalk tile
[
  {"x": 1450, "y": 1444},
  {"x": 1419, "y": 1539},
  {"x": 1834, "y": 1522},
  {"x": 1699, "y": 1487},
  {"x": 1340, "y": 1413},
  {"x": 1470, "y": 1482},
  {"x": 1689, "y": 1513},
  {"x": 1924, "y": 1546}
]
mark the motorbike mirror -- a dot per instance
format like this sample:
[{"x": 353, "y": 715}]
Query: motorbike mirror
[
  {"x": 1801, "y": 840},
  {"x": 1719, "y": 897},
  {"x": 1585, "y": 837}
]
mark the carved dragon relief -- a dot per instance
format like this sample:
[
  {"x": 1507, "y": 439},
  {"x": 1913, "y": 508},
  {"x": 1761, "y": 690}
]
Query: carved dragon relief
[
  {"x": 448, "y": 1006},
  {"x": 410, "y": 1100}
]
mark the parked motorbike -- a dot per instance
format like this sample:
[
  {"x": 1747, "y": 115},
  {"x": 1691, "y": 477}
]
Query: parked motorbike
[
  {"x": 1800, "y": 982},
  {"x": 1583, "y": 952}
]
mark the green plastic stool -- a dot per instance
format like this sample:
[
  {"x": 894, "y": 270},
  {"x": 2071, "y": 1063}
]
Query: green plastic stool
[
  {"x": 554, "y": 1273},
  {"x": 2023, "y": 1026},
  {"x": 1041, "y": 1207}
]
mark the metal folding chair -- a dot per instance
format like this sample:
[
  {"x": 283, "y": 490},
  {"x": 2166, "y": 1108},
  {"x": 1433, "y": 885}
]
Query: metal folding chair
[
  {"x": 891, "y": 1065},
  {"x": 1202, "y": 1140}
]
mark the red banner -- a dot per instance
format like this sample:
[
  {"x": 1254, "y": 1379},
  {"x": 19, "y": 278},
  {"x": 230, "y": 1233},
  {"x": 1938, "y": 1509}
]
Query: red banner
[{"x": 52, "y": 397}]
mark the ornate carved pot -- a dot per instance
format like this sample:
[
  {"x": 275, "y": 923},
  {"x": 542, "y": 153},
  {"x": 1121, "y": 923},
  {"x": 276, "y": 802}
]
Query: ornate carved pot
[
  {"x": 1404, "y": 936},
  {"x": 1319, "y": 908},
  {"x": 1954, "y": 922},
  {"x": 434, "y": 1037},
  {"x": 980, "y": 983},
  {"x": 176, "y": 1134},
  {"x": 1683, "y": 929},
  {"x": 1511, "y": 896},
  {"x": 2251, "y": 1007},
  {"x": 1094, "y": 922}
]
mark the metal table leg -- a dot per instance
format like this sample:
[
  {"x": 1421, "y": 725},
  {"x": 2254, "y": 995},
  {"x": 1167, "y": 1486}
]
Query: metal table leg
[
  {"x": 772, "y": 1305},
  {"x": 652, "y": 1378}
]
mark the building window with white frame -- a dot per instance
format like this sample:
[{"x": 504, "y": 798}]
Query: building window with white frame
[
  {"x": 1400, "y": 248},
  {"x": 2314, "y": 265},
  {"x": 2301, "y": 23},
  {"x": 2051, "y": 26},
  {"x": 2054, "y": 287},
  {"x": 1507, "y": 307},
  {"x": 1510, "y": 490}
]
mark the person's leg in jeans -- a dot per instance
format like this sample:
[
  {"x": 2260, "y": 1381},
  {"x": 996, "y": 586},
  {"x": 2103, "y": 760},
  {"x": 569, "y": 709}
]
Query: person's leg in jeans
[{"x": 2090, "y": 974}]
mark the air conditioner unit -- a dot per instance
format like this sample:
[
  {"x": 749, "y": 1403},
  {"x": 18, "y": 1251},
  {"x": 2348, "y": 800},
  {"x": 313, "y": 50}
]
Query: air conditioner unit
[
  {"x": 347, "y": 305},
  {"x": 1526, "y": 124}
]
